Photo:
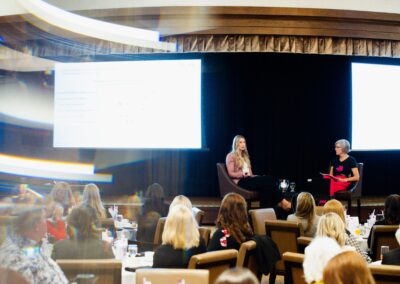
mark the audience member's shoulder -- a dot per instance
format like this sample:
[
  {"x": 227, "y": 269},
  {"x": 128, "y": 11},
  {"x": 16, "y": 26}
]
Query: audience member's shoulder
[{"x": 292, "y": 217}]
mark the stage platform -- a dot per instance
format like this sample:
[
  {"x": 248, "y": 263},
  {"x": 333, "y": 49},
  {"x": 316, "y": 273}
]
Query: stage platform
[{"x": 130, "y": 206}]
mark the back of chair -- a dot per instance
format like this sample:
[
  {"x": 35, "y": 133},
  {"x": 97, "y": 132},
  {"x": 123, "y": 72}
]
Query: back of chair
[
  {"x": 284, "y": 234},
  {"x": 356, "y": 191},
  {"x": 226, "y": 185},
  {"x": 247, "y": 257},
  {"x": 205, "y": 233},
  {"x": 383, "y": 235},
  {"x": 215, "y": 261},
  {"x": 173, "y": 276},
  {"x": 107, "y": 270},
  {"x": 302, "y": 243},
  {"x": 294, "y": 273},
  {"x": 258, "y": 218},
  {"x": 198, "y": 215},
  {"x": 385, "y": 274},
  {"x": 319, "y": 210},
  {"x": 159, "y": 231}
]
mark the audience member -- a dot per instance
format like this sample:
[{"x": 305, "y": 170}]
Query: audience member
[
  {"x": 84, "y": 240},
  {"x": 237, "y": 275},
  {"x": 154, "y": 208},
  {"x": 55, "y": 224},
  {"x": 21, "y": 250},
  {"x": 180, "y": 240},
  {"x": 62, "y": 194},
  {"x": 181, "y": 199},
  {"x": 391, "y": 213},
  {"x": 233, "y": 227},
  {"x": 393, "y": 256},
  {"x": 91, "y": 198},
  {"x": 330, "y": 225},
  {"x": 305, "y": 213},
  {"x": 347, "y": 268},
  {"x": 316, "y": 256},
  {"x": 336, "y": 206}
]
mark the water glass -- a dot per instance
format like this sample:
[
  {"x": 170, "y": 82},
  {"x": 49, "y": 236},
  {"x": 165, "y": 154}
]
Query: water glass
[
  {"x": 384, "y": 249},
  {"x": 132, "y": 250},
  {"x": 292, "y": 186}
]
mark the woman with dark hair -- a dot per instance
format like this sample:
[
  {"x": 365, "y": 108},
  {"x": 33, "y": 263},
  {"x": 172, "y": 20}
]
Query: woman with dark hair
[
  {"x": 154, "y": 208},
  {"x": 233, "y": 227},
  {"x": 391, "y": 213},
  {"x": 240, "y": 171},
  {"x": 84, "y": 240}
]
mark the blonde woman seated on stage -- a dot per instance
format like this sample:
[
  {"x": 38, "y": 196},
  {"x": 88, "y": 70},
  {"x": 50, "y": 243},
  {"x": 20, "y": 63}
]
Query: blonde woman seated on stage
[
  {"x": 305, "y": 214},
  {"x": 335, "y": 206},
  {"x": 180, "y": 240},
  {"x": 347, "y": 268}
]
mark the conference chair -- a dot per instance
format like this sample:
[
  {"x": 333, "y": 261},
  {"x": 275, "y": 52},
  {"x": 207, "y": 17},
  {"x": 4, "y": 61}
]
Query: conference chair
[
  {"x": 302, "y": 243},
  {"x": 205, "y": 233},
  {"x": 107, "y": 271},
  {"x": 247, "y": 257},
  {"x": 159, "y": 231},
  {"x": 385, "y": 274},
  {"x": 215, "y": 262},
  {"x": 164, "y": 275},
  {"x": 226, "y": 185},
  {"x": 258, "y": 218},
  {"x": 284, "y": 234},
  {"x": 198, "y": 215},
  {"x": 383, "y": 235},
  {"x": 355, "y": 192},
  {"x": 294, "y": 273}
]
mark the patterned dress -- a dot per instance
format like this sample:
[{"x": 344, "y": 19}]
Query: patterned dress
[{"x": 26, "y": 257}]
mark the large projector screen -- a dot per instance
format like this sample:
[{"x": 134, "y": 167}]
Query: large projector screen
[
  {"x": 375, "y": 106},
  {"x": 130, "y": 104}
]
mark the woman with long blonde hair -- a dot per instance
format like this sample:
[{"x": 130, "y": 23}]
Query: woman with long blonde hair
[
  {"x": 336, "y": 206},
  {"x": 91, "y": 198},
  {"x": 331, "y": 225},
  {"x": 305, "y": 214},
  {"x": 240, "y": 171},
  {"x": 233, "y": 227},
  {"x": 180, "y": 239}
]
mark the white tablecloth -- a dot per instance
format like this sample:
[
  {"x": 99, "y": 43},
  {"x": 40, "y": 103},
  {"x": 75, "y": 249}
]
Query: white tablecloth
[{"x": 130, "y": 277}]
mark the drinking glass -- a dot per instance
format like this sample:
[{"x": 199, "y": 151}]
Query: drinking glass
[
  {"x": 283, "y": 184},
  {"x": 384, "y": 249},
  {"x": 292, "y": 186},
  {"x": 132, "y": 250}
]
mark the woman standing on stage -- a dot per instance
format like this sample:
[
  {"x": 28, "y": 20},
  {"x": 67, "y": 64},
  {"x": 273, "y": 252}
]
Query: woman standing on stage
[{"x": 239, "y": 170}]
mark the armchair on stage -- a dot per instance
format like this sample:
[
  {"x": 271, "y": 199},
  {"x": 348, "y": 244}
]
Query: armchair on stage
[
  {"x": 354, "y": 192},
  {"x": 226, "y": 185}
]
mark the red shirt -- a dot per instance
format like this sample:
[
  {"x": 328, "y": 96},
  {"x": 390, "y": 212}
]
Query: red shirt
[{"x": 57, "y": 230}]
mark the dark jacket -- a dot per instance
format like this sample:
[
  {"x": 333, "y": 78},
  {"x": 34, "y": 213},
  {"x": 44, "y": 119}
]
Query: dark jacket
[{"x": 267, "y": 253}]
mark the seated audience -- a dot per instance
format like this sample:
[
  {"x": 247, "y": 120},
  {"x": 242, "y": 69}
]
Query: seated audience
[
  {"x": 233, "y": 227},
  {"x": 316, "y": 256},
  {"x": 237, "y": 275},
  {"x": 336, "y": 206},
  {"x": 180, "y": 240},
  {"x": 55, "y": 224},
  {"x": 154, "y": 208},
  {"x": 347, "y": 268},
  {"x": 62, "y": 194},
  {"x": 21, "y": 250},
  {"x": 91, "y": 198},
  {"x": 181, "y": 199},
  {"x": 393, "y": 256},
  {"x": 391, "y": 213},
  {"x": 84, "y": 240},
  {"x": 305, "y": 214}
]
